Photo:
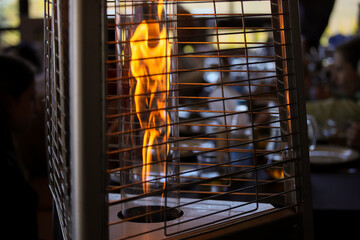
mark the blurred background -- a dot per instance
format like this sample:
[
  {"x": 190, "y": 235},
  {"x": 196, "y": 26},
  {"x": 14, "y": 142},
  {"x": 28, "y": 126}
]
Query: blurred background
[{"x": 21, "y": 34}]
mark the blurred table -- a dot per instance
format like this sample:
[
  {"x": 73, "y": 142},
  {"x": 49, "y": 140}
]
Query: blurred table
[
  {"x": 336, "y": 200},
  {"x": 336, "y": 191}
]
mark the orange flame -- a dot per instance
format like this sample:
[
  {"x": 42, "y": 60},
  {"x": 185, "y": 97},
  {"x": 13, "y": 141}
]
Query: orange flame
[{"x": 150, "y": 64}]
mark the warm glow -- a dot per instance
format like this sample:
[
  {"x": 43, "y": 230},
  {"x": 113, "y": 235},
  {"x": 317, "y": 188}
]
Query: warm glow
[{"x": 150, "y": 65}]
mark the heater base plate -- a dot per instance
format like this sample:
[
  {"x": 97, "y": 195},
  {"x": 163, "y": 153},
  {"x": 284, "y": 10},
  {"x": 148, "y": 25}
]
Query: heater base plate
[{"x": 197, "y": 214}]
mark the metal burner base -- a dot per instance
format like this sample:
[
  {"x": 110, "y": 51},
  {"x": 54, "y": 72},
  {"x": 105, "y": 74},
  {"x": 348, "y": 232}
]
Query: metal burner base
[
  {"x": 197, "y": 214},
  {"x": 160, "y": 216}
]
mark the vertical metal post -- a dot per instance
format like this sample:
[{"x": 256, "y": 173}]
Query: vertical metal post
[
  {"x": 87, "y": 38},
  {"x": 303, "y": 167},
  {"x": 279, "y": 9},
  {"x": 290, "y": 35}
]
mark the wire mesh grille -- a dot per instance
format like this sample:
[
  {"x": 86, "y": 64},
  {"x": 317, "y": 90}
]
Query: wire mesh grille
[
  {"x": 225, "y": 112},
  {"x": 202, "y": 114},
  {"x": 57, "y": 108}
]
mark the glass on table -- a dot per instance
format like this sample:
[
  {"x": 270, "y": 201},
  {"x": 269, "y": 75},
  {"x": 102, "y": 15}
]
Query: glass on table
[
  {"x": 312, "y": 131},
  {"x": 334, "y": 132},
  {"x": 276, "y": 146}
]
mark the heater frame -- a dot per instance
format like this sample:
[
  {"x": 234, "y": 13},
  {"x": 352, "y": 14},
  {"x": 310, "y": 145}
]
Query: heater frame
[
  {"x": 87, "y": 51},
  {"x": 87, "y": 54}
]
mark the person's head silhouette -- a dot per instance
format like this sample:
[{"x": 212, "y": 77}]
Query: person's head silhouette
[{"x": 17, "y": 92}]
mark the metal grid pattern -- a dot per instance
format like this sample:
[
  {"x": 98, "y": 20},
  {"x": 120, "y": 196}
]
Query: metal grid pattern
[
  {"x": 231, "y": 114},
  {"x": 57, "y": 108},
  {"x": 213, "y": 136}
]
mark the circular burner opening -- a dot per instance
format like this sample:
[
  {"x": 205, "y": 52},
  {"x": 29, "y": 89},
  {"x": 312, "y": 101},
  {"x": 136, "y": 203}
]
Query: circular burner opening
[{"x": 155, "y": 214}]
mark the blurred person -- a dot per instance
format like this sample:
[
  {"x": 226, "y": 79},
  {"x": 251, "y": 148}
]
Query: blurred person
[
  {"x": 345, "y": 75},
  {"x": 33, "y": 152},
  {"x": 17, "y": 105},
  {"x": 26, "y": 51},
  {"x": 311, "y": 30},
  {"x": 316, "y": 82},
  {"x": 342, "y": 111}
]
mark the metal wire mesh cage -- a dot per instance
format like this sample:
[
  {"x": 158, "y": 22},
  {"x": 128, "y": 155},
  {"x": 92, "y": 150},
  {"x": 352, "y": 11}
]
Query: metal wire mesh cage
[{"x": 174, "y": 119}]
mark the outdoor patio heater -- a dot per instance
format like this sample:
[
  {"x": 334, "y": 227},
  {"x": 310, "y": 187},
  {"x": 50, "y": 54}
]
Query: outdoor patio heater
[{"x": 176, "y": 119}]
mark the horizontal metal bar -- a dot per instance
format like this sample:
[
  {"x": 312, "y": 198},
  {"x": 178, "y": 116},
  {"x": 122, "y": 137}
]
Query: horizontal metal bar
[
  {"x": 180, "y": 140},
  {"x": 116, "y": 115}
]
